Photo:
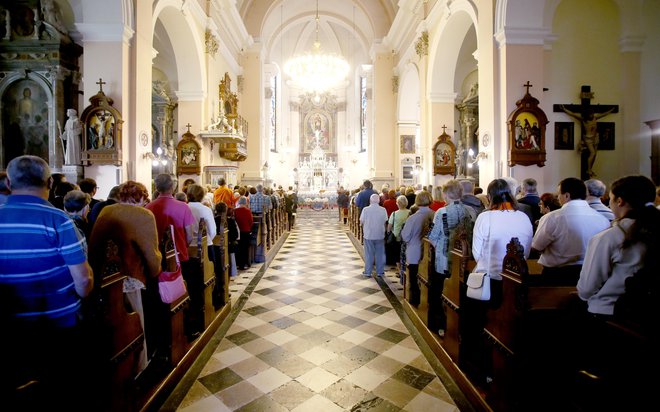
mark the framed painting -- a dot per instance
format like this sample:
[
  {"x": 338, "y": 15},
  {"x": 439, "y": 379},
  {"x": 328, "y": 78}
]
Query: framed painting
[
  {"x": 564, "y": 136},
  {"x": 407, "y": 143},
  {"x": 605, "y": 135},
  {"x": 527, "y": 132},
  {"x": 444, "y": 156},
  {"x": 188, "y": 153}
]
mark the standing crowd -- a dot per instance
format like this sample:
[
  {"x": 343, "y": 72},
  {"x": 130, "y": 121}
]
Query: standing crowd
[{"x": 56, "y": 241}]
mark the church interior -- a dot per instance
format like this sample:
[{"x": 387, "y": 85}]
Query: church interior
[{"x": 316, "y": 96}]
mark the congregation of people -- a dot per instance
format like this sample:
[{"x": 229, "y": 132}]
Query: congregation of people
[
  {"x": 54, "y": 255},
  {"x": 583, "y": 234}
]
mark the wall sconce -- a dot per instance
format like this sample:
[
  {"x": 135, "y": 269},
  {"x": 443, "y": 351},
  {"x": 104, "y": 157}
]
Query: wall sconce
[
  {"x": 157, "y": 159},
  {"x": 472, "y": 159}
]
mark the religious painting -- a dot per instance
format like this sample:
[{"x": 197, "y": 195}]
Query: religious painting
[
  {"x": 407, "y": 143},
  {"x": 24, "y": 120},
  {"x": 188, "y": 152},
  {"x": 444, "y": 156},
  {"x": 527, "y": 132},
  {"x": 317, "y": 130},
  {"x": 564, "y": 139},
  {"x": 605, "y": 135},
  {"x": 102, "y": 131}
]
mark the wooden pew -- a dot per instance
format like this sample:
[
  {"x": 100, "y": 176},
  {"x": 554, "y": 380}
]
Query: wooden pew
[
  {"x": 201, "y": 253},
  {"x": 178, "y": 343},
  {"x": 522, "y": 333},
  {"x": 221, "y": 263},
  {"x": 120, "y": 334},
  {"x": 258, "y": 247},
  {"x": 453, "y": 292}
]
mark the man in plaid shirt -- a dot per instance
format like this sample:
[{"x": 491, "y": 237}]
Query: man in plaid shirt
[{"x": 260, "y": 202}]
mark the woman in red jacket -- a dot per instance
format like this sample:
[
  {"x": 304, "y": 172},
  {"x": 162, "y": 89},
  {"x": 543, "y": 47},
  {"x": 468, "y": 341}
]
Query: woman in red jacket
[{"x": 244, "y": 219}]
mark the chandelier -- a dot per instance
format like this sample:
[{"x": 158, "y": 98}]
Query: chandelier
[{"x": 315, "y": 70}]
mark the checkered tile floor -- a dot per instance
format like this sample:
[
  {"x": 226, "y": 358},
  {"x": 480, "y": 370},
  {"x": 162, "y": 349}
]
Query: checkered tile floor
[{"x": 315, "y": 335}]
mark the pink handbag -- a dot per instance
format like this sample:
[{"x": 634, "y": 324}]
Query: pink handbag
[{"x": 171, "y": 285}]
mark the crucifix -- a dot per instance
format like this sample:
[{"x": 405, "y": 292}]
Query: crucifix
[
  {"x": 188, "y": 126},
  {"x": 588, "y": 116}
]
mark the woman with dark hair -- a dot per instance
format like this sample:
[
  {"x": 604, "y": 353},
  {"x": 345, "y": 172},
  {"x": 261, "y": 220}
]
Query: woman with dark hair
[
  {"x": 493, "y": 230},
  {"x": 619, "y": 252},
  {"x": 549, "y": 202}
]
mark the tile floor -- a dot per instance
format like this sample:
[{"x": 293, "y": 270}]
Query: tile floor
[{"x": 313, "y": 334}]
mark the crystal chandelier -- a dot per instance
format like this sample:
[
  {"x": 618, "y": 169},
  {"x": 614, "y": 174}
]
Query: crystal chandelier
[{"x": 315, "y": 70}]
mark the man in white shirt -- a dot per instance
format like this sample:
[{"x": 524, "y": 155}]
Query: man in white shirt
[
  {"x": 562, "y": 235},
  {"x": 596, "y": 190},
  {"x": 373, "y": 220}
]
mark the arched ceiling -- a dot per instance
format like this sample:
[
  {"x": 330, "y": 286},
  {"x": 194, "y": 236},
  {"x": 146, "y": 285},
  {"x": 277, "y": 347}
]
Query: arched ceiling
[{"x": 288, "y": 26}]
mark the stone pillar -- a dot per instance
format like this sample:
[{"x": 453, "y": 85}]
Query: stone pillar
[
  {"x": 250, "y": 107},
  {"x": 107, "y": 56},
  {"x": 384, "y": 118}
]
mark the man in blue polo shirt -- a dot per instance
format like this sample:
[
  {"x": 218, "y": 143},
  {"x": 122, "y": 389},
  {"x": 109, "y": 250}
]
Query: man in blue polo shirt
[{"x": 43, "y": 275}]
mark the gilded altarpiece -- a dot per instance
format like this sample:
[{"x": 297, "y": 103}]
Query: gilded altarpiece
[
  {"x": 318, "y": 120},
  {"x": 39, "y": 80}
]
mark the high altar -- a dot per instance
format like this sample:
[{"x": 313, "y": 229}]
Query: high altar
[{"x": 316, "y": 172}]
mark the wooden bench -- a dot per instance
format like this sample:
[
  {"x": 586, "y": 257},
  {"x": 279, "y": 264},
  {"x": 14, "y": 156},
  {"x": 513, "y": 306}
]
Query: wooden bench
[
  {"x": 453, "y": 292},
  {"x": 178, "y": 343},
  {"x": 523, "y": 333},
  {"x": 120, "y": 333}
]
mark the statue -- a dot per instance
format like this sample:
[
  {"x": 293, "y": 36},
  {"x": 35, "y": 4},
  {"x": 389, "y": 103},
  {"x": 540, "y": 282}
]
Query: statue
[
  {"x": 460, "y": 153},
  {"x": 71, "y": 135},
  {"x": 589, "y": 122}
]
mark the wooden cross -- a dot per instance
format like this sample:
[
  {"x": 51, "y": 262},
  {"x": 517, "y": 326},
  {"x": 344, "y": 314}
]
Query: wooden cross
[
  {"x": 585, "y": 110},
  {"x": 101, "y": 83},
  {"x": 528, "y": 85},
  {"x": 188, "y": 126}
]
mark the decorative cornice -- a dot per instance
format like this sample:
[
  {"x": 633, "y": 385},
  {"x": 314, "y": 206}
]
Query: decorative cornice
[
  {"x": 523, "y": 36},
  {"x": 190, "y": 96},
  {"x": 443, "y": 97},
  {"x": 631, "y": 43},
  {"x": 422, "y": 45},
  {"x": 105, "y": 32}
]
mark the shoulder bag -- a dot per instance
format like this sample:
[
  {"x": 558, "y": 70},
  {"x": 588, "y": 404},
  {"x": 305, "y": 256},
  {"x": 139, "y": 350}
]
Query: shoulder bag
[
  {"x": 390, "y": 238},
  {"x": 478, "y": 283},
  {"x": 171, "y": 285}
]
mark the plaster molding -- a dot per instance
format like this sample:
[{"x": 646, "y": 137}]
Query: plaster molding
[
  {"x": 190, "y": 95},
  {"x": 439, "y": 97},
  {"x": 633, "y": 43},
  {"x": 105, "y": 32},
  {"x": 522, "y": 36}
]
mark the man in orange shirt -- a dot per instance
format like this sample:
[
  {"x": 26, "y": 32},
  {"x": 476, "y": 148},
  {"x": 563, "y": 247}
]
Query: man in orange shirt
[{"x": 223, "y": 194}]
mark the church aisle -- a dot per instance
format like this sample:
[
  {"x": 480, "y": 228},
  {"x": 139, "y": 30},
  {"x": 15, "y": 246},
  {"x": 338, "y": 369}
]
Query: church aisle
[{"x": 314, "y": 335}]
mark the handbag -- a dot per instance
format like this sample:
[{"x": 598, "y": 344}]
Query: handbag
[
  {"x": 390, "y": 238},
  {"x": 478, "y": 286},
  {"x": 171, "y": 285}
]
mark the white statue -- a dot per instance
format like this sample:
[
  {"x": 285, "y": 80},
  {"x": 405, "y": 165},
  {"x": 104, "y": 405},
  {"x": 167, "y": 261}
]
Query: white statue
[{"x": 71, "y": 135}]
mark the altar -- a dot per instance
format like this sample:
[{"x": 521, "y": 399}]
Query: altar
[{"x": 317, "y": 172}]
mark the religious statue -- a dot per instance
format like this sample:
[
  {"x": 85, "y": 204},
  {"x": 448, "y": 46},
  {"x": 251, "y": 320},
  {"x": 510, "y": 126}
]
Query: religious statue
[
  {"x": 588, "y": 120},
  {"x": 71, "y": 135},
  {"x": 460, "y": 154}
]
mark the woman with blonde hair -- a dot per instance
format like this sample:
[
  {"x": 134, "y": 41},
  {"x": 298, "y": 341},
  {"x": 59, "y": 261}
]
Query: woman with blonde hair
[{"x": 412, "y": 234}]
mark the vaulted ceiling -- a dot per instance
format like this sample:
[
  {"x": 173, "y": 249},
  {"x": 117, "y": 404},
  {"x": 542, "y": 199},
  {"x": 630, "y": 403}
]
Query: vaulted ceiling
[{"x": 346, "y": 27}]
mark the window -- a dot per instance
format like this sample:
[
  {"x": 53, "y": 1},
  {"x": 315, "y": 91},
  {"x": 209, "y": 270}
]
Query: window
[
  {"x": 363, "y": 113},
  {"x": 273, "y": 114}
]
